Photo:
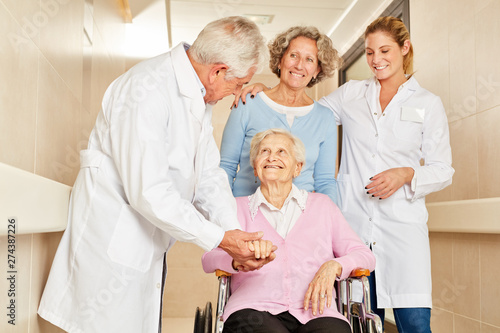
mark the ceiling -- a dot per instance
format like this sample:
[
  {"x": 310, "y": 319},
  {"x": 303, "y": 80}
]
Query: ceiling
[{"x": 157, "y": 25}]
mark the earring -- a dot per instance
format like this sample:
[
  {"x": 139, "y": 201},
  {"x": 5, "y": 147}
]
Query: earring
[
  {"x": 255, "y": 179},
  {"x": 279, "y": 72}
]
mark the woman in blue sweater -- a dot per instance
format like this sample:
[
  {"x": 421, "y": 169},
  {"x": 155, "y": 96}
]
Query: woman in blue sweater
[{"x": 300, "y": 57}]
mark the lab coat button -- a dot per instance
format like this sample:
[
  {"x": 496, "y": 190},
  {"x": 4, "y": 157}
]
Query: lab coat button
[
  {"x": 370, "y": 219},
  {"x": 373, "y": 155},
  {"x": 374, "y": 243},
  {"x": 376, "y": 135},
  {"x": 158, "y": 285}
]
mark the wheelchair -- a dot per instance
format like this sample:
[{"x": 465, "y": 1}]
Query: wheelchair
[{"x": 357, "y": 312}]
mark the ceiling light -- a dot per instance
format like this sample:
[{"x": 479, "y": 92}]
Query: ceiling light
[{"x": 259, "y": 19}]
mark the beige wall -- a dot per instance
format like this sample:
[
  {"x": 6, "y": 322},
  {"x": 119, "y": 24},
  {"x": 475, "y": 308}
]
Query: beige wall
[
  {"x": 456, "y": 43},
  {"x": 50, "y": 91}
]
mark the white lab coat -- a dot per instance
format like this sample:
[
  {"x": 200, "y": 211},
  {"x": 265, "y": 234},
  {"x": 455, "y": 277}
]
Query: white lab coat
[
  {"x": 150, "y": 176},
  {"x": 396, "y": 227}
]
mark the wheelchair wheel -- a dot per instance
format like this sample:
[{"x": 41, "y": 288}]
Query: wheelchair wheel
[{"x": 203, "y": 319}]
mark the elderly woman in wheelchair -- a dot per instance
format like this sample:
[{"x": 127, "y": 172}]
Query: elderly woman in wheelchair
[{"x": 315, "y": 247}]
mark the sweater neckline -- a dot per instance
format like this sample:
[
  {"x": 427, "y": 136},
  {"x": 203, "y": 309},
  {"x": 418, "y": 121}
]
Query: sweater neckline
[
  {"x": 268, "y": 109},
  {"x": 260, "y": 216}
]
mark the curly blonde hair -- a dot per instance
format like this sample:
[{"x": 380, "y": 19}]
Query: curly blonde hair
[{"x": 328, "y": 58}]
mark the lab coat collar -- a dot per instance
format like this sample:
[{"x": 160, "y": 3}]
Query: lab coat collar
[
  {"x": 185, "y": 74},
  {"x": 187, "y": 80},
  {"x": 372, "y": 93},
  {"x": 202, "y": 88},
  {"x": 372, "y": 97},
  {"x": 411, "y": 84}
]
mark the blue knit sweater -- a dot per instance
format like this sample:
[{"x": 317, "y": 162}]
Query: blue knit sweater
[{"x": 317, "y": 130}]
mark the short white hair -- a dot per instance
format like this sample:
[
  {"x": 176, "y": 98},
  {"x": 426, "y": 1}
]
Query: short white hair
[
  {"x": 235, "y": 41},
  {"x": 299, "y": 150}
]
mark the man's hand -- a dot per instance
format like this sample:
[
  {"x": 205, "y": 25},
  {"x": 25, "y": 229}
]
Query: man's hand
[
  {"x": 242, "y": 247},
  {"x": 263, "y": 254}
]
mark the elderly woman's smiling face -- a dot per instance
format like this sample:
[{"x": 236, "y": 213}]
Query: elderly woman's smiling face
[
  {"x": 275, "y": 160},
  {"x": 299, "y": 64}
]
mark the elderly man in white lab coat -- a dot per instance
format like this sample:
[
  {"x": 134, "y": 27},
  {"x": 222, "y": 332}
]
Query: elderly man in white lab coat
[{"x": 149, "y": 177}]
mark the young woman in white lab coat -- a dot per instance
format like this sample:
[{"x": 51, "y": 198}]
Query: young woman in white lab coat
[{"x": 390, "y": 124}]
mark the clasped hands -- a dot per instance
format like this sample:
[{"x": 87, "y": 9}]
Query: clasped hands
[
  {"x": 263, "y": 253},
  {"x": 248, "y": 250}
]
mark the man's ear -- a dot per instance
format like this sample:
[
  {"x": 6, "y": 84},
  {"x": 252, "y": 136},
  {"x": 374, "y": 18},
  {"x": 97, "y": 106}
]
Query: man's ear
[{"x": 216, "y": 71}]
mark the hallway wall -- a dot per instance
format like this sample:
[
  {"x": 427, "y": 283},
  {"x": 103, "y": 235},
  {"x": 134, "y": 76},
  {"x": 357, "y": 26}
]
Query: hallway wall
[
  {"x": 52, "y": 82},
  {"x": 456, "y": 57}
]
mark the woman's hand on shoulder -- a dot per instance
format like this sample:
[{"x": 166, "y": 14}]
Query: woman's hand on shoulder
[
  {"x": 252, "y": 89},
  {"x": 321, "y": 287}
]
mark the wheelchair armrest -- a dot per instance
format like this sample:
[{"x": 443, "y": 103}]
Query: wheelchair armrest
[
  {"x": 220, "y": 272},
  {"x": 360, "y": 311},
  {"x": 224, "y": 291},
  {"x": 359, "y": 272}
]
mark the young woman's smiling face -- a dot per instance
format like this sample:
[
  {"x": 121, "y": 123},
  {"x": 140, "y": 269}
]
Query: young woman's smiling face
[{"x": 384, "y": 56}]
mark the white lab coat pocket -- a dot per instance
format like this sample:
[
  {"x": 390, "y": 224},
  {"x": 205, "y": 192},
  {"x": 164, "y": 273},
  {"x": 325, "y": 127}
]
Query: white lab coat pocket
[
  {"x": 345, "y": 192},
  {"x": 409, "y": 127},
  {"x": 132, "y": 244},
  {"x": 408, "y": 130}
]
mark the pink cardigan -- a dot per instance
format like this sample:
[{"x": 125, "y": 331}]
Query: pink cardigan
[{"x": 319, "y": 235}]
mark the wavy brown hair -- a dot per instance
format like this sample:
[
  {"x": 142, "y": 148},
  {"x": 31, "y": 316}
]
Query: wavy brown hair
[{"x": 328, "y": 57}]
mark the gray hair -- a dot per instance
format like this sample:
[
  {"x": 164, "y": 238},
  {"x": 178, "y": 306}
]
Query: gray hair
[
  {"x": 235, "y": 41},
  {"x": 299, "y": 150}
]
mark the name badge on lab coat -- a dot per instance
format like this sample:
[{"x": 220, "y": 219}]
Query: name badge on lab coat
[{"x": 409, "y": 113}]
